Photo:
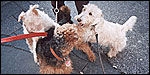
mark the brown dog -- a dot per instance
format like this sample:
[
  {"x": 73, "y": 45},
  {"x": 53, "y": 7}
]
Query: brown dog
[
  {"x": 65, "y": 38},
  {"x": 69, "y": 30}
]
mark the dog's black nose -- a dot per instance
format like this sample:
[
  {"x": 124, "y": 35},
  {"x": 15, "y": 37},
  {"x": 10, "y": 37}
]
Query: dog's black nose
[{"x": 79, "y": 20}]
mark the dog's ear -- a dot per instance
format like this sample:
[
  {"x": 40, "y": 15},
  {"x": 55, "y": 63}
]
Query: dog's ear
[
  {"x": 102, "y": 15},
  {"x": 84, "y": 6},
  {"x": 33, "y": 7},
  {"x": 21, "y": 16},
  {"x": 35, "y": 11},
  {"x": 100, "y": 12}
]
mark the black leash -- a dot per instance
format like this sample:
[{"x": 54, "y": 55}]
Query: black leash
[{"x": 101, "y": 63}]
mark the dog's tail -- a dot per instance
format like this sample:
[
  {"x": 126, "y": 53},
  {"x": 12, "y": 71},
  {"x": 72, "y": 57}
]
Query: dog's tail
[{"x": 128, "y": 25}]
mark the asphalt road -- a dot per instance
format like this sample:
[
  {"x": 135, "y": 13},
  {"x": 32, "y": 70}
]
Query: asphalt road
[{"x": 134, "y": 59}]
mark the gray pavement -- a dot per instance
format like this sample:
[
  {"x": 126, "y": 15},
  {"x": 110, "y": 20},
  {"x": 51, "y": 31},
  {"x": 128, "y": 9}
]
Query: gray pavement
[{"x": 16, "y": 58}]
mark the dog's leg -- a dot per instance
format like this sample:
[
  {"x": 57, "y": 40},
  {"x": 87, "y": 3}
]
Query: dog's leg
[
  {"x": 118, "y": 47},
  {"x": 29, "y": 41},
  {"x": 86, "y": 49},
  {"x": 113, "y": 52},
  {"x": 122, "y": 45},
  {"x": 35, "y": 39}
]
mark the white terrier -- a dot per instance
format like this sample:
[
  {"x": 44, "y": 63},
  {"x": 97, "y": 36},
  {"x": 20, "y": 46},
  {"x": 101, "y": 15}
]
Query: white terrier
[
  {"x": 35, "y": 20},
  {"x": 109, "y": 34}
]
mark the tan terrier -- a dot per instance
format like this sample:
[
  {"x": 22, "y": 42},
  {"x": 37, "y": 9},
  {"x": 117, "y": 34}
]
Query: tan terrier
[
  {"x": 35, "y": 20},
  {"x": 64, "y": 39}
]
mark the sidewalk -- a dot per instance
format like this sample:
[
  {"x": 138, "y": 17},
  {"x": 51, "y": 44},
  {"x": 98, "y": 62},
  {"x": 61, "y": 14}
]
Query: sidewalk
[{"x": 16, "y": 58}]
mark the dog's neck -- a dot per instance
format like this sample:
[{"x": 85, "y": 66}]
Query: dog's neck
[{"x": 98, "y": 22}]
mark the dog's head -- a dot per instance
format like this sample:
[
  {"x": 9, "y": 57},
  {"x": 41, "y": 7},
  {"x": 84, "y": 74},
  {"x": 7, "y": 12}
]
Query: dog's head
[
  {"x": 68, "y": 32},
  {"x": 31, "y": 19},
  {"x": 30, "y": 12},
  {"x": 64, "y": 39},
  {"x": 90, "y": 15},
  {"x": 64, "y": 15},
  {"x": 64, "y": 12}
]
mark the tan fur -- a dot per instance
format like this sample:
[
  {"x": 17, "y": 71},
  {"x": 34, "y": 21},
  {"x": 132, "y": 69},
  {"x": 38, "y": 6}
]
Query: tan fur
[
  {"x": 30, "y": 41},
  {"x": 35, "y": 11},
  {"x": 47, "y": 69},
  {"x": 86, "y": 49},
  {"x": 35, "y": 20},
  {"x": 65, "y": 9},
  {"x": 75, "y": 35}
]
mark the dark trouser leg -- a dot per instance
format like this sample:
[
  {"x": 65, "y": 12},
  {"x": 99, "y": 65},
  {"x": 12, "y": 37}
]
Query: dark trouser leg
[
  {"x": 60, "y": 3},
  {"x": 79, "y": 5}
]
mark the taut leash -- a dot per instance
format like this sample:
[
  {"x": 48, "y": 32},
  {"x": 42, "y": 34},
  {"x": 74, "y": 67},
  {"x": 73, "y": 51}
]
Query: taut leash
[
  {"x": 101, "y": 63},
  {"x": 23, "y": 36}
]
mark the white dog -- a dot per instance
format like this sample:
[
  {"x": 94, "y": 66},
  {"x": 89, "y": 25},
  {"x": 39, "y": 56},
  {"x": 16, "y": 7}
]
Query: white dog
[
  {"x": 35, "y": 20},
  {"x": 109, "y": 34}
]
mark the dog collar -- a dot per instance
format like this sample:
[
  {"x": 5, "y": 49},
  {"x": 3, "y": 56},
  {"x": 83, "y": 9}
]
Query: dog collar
[
  {"x": 67, "y": 61},
  {"x": 97, "y": 23},
  {"x": 64, "y": 59},
  {"x": 55, "y": 54}
]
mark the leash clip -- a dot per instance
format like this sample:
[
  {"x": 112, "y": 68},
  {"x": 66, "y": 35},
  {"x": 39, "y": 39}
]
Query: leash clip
[{"x": 56, "y": 10}]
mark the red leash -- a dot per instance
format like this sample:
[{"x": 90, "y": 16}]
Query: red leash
[{"x": 23, "y": 36}]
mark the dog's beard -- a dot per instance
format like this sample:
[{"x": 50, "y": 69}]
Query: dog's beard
[{"x": 80, "y": 24}]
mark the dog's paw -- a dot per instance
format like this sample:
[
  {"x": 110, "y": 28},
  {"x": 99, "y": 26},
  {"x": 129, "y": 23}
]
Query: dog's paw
[
  {"x": 36, "y": 61},
  {"x": 111, "y": 54},
  {"x": 92, "y": 57}
]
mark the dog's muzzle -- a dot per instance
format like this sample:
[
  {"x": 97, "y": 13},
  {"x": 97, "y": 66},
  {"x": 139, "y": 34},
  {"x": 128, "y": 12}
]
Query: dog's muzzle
[{"x": 80, "y": 24}]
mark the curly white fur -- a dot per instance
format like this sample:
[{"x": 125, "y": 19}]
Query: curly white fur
[{"x": 109, "y": 33}]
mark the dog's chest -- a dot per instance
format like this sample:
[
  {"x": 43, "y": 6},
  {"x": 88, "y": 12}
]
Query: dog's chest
[{"x": 88, "y": 33}]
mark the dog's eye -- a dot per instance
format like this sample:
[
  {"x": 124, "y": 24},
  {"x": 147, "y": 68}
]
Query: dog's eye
[
  {"x": 83, "y": 9},
  {"x": 90, "y": 13}
]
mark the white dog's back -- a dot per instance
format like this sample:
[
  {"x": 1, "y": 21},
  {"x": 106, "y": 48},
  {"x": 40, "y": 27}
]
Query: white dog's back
[{"x": 114, "y": 31}]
